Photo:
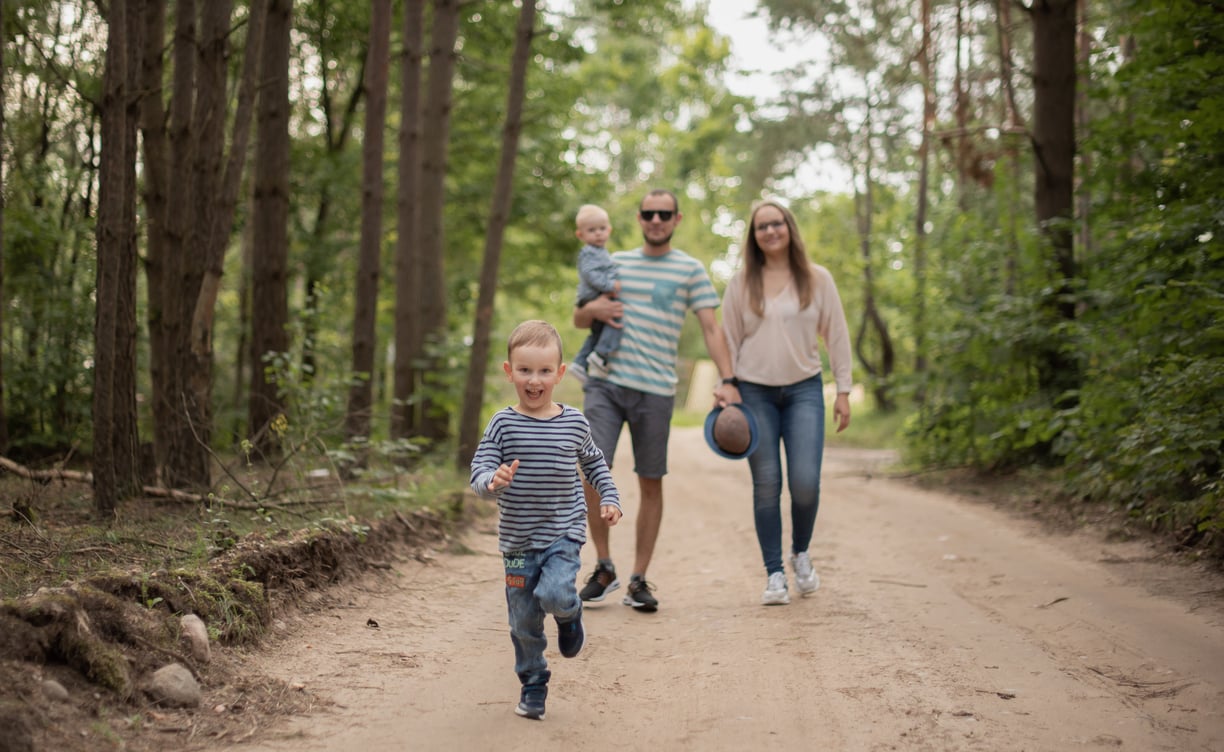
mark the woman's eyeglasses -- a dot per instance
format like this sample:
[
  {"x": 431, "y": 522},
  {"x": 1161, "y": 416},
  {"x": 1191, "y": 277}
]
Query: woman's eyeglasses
[
  {"x": 777, "y": 224},
  {"x": 664, "y": 215}
]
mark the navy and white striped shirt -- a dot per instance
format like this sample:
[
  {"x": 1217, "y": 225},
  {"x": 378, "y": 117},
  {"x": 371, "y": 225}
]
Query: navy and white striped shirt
[{"x": 544, "y": 502}]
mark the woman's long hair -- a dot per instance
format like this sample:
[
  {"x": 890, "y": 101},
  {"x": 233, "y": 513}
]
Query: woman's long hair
[{"x": 754, "y": 261}]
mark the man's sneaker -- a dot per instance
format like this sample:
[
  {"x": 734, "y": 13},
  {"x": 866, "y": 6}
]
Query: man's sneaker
[
  {"x": 775, "y": 591},
  {"x": 596, "y": 366},
  {"x": 531, "y": 701},
  {"x": 571, "y": 636},
  {"x": 601, "y": 582},
  {"x": 639, "y": 595},
  {"x": 806, "y": 579}
]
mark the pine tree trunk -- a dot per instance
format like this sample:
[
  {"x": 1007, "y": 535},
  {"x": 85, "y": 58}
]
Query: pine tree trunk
[
  {"x": 111, "y": 240},
  {"x": 1054, "y": 86},
  {"x": 357, "y": 419},
  {"x": 269, "y": 276},
  {"x": 408, "y": 333},
  {"x": 4, "y": 435},
  {"x": 436, "y": 128},
  {"x": 920, "y": 214},
  {"x": 499, "y": 213}
]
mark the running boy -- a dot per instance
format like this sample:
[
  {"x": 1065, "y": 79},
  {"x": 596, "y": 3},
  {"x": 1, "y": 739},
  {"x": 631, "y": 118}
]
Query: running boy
[
  {"x": 526, "y": 460},
  {"x": 596, "y": 276}
]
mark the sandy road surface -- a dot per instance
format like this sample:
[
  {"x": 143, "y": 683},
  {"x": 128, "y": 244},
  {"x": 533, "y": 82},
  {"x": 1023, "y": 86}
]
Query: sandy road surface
[{"x": 940, "y": 625}]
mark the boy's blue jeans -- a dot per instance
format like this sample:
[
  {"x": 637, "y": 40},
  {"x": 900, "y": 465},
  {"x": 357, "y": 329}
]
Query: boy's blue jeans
[
  {"x": 539, "y": 582},
  {"x": 794, "y": 416}
]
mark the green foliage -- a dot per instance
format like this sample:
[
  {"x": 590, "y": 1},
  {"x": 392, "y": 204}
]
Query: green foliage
[
  {"x": 1146, "y": 431},
  {"x": 1149, "y": 429}
]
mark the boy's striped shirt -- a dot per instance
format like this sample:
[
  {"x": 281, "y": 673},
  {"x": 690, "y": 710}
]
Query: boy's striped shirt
[{"x": 544, "y": 502}]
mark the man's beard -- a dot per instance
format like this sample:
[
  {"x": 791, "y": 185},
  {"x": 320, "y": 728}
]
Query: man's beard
[{"x": 657, "y": 244}]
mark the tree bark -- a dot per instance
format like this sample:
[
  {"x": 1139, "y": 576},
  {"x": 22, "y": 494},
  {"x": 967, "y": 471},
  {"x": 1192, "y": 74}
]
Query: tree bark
[
  {"x": 225, "y": 179},
  {"x": 155, "y": 140},
  {"x": 499, "y": 213},
  {"x": 4, "y": 436},
  {"x": 436, "y": 121},
  {"x": 127, "y": 437},
  {"x": 269, "y": 276},
  {"x": 111, "y": 243},
  {"x": 408, "y": 327},
  {"x": 920, "y": 214},
  {"x": 1054, "y": 87},
  {"x": 186, "y": 462},
  {"x": 357, "y": 419}
]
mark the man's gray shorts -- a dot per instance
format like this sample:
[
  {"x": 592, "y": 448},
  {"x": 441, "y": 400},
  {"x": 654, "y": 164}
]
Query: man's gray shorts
[{"x": 609, "y": 407}]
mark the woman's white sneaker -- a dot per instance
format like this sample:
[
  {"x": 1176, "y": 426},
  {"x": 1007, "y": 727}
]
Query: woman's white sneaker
[
  {"x": 775, "y": 591},
  {"x": 806, "y": 579}
]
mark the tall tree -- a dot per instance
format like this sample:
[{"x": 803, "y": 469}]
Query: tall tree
[
  {"x": 128, "y": 462},
  {"x": 409, "y": 333},
  {"x": 185, "y": 154},
  {"x": 156, "y": 142},
  {"x": 269, "y": 278},
  {"x": 225, "y": 174},
  {"x": 1054, "y": 99},
  {"x": 185, "y": 460},
  {"x": 357, "y": 420},
  {"x": 926, "y": 70},
  {"x": 499, "y": 213},
  {"x": 431, "y": 244},
  {"x": 3, "y": 415},
  {"x": 114, "y": 471}
]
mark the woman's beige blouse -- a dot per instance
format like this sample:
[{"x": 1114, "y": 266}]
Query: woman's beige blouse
[{"x": 782, "y": 347}]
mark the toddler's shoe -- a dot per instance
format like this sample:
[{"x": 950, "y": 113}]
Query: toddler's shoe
[
  {"x": 531, "y": 701},
  {"x": 596, "y": 366}
]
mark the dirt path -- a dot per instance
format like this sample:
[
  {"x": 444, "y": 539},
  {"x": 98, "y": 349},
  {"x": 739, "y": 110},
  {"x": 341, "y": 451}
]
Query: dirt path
[{"x": 940, "y": 625}]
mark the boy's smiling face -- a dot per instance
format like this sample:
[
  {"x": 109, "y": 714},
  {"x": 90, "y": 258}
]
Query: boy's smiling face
[{"x": 535, "y": 370}]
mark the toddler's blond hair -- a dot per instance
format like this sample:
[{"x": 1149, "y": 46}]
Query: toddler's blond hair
[{"x": 588, "y": 212}]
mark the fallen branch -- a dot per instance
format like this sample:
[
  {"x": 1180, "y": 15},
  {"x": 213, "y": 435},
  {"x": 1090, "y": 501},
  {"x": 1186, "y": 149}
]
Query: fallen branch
[
  {"x": 44, "y": 475},
  {"x": 159, "y": 492}
]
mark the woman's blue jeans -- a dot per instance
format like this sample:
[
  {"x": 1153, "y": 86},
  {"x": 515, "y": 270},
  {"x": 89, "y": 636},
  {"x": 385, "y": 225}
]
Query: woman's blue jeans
[
  {"x": 539, "y": 582},
  {"x": 791, "y": 416}
]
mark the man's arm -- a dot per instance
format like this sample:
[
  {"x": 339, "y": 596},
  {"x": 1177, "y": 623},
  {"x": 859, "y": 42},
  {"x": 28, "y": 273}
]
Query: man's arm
[
  {"x": 603, "y": 308},
  {"x": 716, "y": 346}
]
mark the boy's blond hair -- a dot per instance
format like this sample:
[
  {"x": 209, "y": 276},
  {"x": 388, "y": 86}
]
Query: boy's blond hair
[
  {"x": 534, "y": 332},
  {"x": 587, "y": 212}
]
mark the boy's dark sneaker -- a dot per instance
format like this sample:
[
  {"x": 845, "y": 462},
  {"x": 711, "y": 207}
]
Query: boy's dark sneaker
[
  {"x": 601, "y": 582},
  {"x": 639, "y": 595},
  {"x": 531, "y": 701},
  {"x": 571, "y": 636}
]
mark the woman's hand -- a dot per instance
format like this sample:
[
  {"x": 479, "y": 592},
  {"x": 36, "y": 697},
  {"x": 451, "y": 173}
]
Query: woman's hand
[{"x": 841, "y": 411}]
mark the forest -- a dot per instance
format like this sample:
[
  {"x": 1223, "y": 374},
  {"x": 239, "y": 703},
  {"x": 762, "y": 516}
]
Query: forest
[{"x": 266, "y": 228}]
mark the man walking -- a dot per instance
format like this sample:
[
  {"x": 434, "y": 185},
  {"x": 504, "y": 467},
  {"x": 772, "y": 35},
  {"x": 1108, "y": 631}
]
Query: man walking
[{"x": 659, "y": 285}]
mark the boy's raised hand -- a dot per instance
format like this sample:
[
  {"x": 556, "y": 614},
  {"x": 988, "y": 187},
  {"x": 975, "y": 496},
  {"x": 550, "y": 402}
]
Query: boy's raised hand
[
  {"x": 610, "y": 513},
  {"x": 503, "y": 476}
]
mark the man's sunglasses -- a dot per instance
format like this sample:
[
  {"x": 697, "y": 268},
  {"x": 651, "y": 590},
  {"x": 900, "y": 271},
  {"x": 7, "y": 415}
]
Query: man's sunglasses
[{"x": 665, "y": 215}]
